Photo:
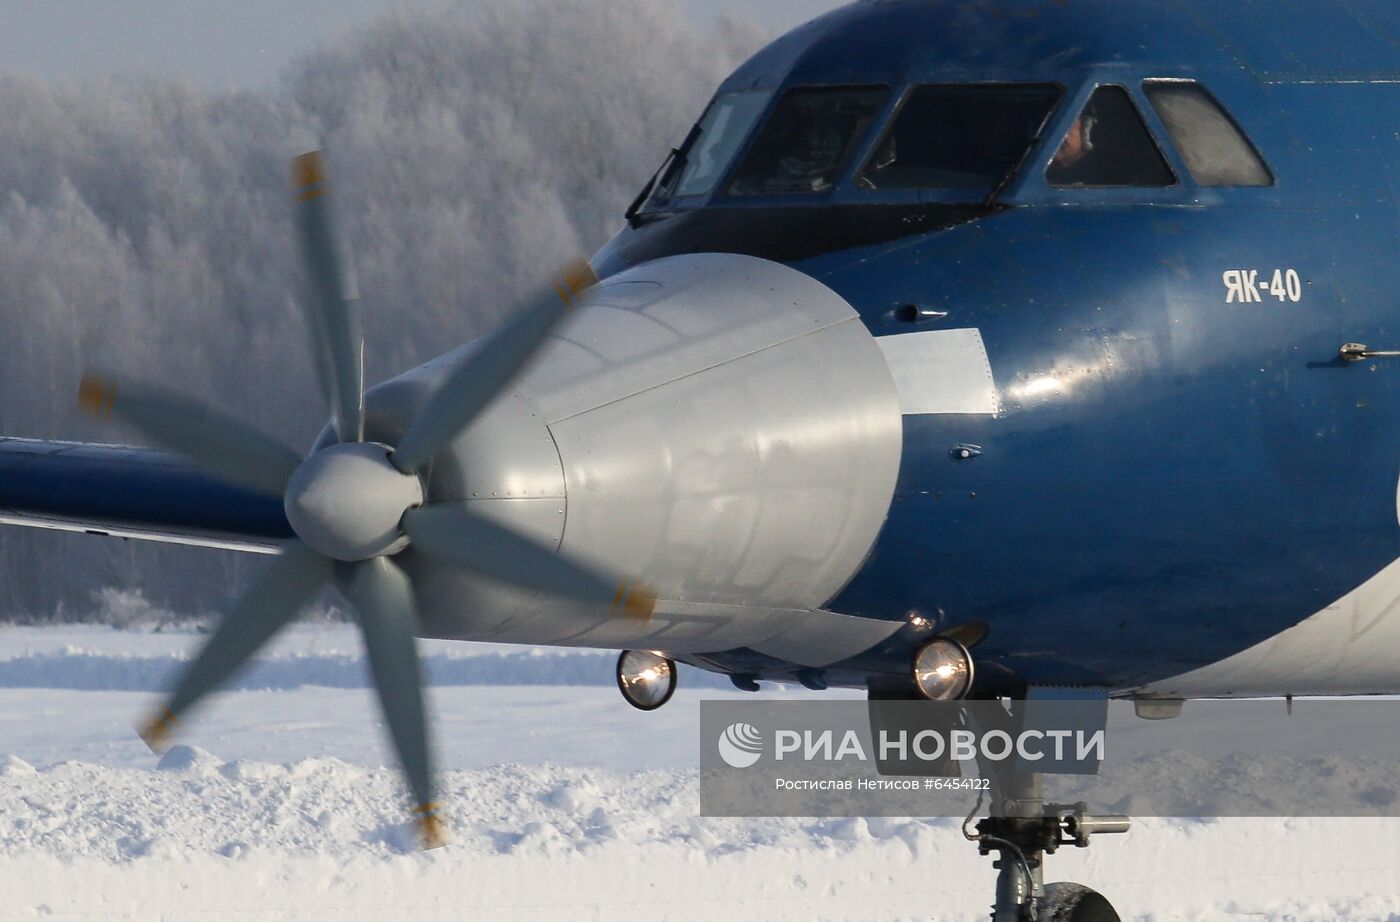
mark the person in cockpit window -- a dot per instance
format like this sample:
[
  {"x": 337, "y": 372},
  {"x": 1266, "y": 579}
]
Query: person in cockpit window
[{"x": 1075, "y": 163}]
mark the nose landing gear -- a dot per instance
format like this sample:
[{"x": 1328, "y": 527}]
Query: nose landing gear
[
  {"x": 1022, "y": 843},
  {"x": 1022, "y": 829}
]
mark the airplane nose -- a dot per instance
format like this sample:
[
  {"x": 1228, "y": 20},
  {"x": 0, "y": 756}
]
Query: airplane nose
[{"x": 724, "y": 427}]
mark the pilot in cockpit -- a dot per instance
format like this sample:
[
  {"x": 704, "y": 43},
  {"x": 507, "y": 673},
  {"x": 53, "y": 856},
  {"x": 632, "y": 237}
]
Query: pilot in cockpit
[
  {"x": 1075, "y": 163},
  {"x": 813, "y": 151},
  {"x": 1109, "y": 146}
]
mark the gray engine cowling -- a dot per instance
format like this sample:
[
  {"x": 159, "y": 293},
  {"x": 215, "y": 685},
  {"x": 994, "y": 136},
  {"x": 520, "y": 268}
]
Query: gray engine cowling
[{"x": 723, "y": 427}]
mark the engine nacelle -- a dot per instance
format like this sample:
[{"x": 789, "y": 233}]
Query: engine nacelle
[{"x": 723, "y": 427}]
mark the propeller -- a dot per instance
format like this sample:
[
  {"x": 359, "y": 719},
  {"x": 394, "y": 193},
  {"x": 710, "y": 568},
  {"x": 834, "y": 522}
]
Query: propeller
[{"x": 355, "y": 504}]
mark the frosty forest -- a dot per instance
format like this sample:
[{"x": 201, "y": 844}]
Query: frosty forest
[{"x": 145, "y": 226}]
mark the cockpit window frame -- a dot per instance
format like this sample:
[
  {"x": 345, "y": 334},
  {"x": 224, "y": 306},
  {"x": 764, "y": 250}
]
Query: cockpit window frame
[
  {"x": 657, "y": 206},
  {"x": 1185, "y": 169},
  {"x": 947, "y": 193},
  {"x": 1030, "y": 186},
  {"x": 657, "y": 201},
  {"x": 894, "y": 94},
  {"x": 1155, "y": 133}
]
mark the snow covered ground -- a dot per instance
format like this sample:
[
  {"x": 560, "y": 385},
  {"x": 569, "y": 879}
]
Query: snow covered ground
[{"x": 564, "y": 804}]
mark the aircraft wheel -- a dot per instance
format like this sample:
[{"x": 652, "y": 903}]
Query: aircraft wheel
[{"x": 1067, "y": 902}]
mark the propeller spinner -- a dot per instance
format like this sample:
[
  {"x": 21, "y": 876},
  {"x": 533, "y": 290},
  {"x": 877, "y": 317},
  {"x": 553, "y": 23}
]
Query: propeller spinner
[{"x": 355, "y": 504}]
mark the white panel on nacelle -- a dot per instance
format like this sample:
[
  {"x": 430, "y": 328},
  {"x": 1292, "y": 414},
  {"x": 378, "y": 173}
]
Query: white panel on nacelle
[{"x": 941, "y": 371}]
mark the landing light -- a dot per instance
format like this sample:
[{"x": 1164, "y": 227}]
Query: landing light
[
  {"x": 646, "y": 679},
  {"x": 943, "y": 670}
]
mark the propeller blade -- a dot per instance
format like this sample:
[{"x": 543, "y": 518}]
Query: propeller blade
[
  {"x": 383, "y": 600},
  {"x": 499, "y": 553},
  {"x": 289, "y": 582},
  {"x": 334, "y": 302},
  {"x": 478, "y": 377},
  {"x": 220, "y": 444}
]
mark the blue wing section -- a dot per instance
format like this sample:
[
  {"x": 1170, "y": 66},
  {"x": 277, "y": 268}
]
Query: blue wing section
[{"x": 132, "y": 493}]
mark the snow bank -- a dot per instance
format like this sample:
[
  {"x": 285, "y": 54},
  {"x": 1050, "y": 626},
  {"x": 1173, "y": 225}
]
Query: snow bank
[
  {"x": 100, "y": 659},
  {"x": 323, "y": 838},
  {"x": 564, "y": 804},
  {"x": 89, "y": 670}
]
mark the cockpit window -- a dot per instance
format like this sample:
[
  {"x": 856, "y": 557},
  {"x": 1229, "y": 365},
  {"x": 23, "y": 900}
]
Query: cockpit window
[
  {"x": 715, "y": 140},
  {"x": 807, "y": 141},
  {"x": 959, "y": 137},
  {"x": 1109, "y": 145},
  {"x": 1215, "y": 150}
]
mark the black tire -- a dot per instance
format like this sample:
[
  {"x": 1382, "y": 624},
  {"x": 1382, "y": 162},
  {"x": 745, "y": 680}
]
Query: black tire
[{"x": 1067, "y": 902}]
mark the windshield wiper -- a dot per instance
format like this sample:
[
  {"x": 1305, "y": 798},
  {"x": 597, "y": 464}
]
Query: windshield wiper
[
  {"x": 1010, "y": 174},
  {"x": 674, "y": 162},
  {"x": 645, "y": 194}
]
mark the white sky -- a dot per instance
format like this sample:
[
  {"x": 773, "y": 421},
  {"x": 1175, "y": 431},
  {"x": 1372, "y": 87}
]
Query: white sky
[{"x": 240, "y": 43}]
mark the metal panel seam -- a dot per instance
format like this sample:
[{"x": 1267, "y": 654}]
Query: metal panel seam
[{"x": 699, "y": 371}]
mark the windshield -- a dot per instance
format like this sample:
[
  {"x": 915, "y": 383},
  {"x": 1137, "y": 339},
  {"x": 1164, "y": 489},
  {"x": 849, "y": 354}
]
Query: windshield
[
  {"x": 714, "y": 142},
  {"x": 1109, "y": 145},
  {"x": 959, "y": 137},
  {"x": 808, "y": 140}
]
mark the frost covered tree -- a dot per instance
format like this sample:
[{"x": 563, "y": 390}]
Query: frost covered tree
[{"x": 145, "y": 225}]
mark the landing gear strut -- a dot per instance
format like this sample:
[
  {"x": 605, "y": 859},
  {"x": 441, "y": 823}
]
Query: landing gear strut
[
  {"x": 1021, "y": 844},
  {"x": 1022, "y": 829}
]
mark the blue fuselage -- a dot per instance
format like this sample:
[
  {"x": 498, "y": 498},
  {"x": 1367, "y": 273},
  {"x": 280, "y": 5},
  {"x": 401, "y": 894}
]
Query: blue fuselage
[{"x": 1202, "y": 470}]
